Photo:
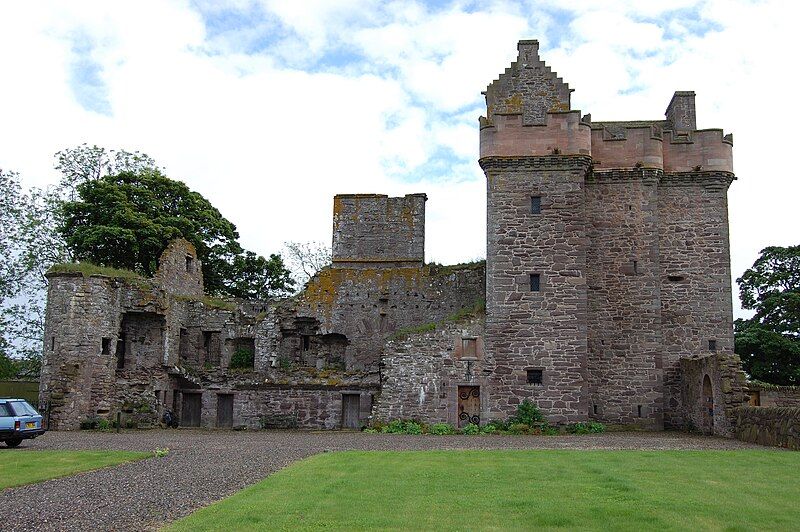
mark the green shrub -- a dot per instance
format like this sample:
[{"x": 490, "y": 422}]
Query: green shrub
[
  {"x": 489, "y": 429},
  {"x": 89, "y": 423},
  {"x": 441, "y": 429},
  {"x": 104, "y": 424},
  {"x": 527, "y": 414},
  {"x": 592, "y": 427},
  {"x": 471, "y": 429},
  {"x": 399, "y": 426},
  {"x": 498, "y": 425},
  {"x": 550, "y": 431},
  {"x": 160, "y": 452},
  {"x": 519, "y": 428},
  {"x": 370, "y": 430},
  {"x": 242, "y": 359}
]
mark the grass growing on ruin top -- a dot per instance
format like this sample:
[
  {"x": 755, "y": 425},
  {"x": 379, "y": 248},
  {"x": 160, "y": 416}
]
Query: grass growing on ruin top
[
  {"x": 88, "y": 269},
  {"x": 18, "y": 467},
  {"x": 519, "y": 490}
]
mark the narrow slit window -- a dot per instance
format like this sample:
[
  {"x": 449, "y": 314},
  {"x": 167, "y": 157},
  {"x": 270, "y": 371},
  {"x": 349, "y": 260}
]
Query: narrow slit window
[
  {"x": 536, "y": 282},
  {"x": 536, "y": 205},
  {"x": 712, "y": 345},
  {"x": 105, "y": 346},
  {"x": 535, "y": 377},
  {"x": 189, "y": 264},
  {"x": 306, "y": 342},
  {"x": 636, "y": 266},
  {"x": 594, "y": 408},
  {"x": 639, "y": 410}
]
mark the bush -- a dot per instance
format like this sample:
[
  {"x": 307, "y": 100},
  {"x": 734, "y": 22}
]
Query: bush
[
  {"x": 489, "y": 429},
  {"x": 550, "y": 431},
  {"x": 592, "y": 427},
  {"x": 527, "y": 414},
  {"x": 399, "y": 426},
  {"x": 519, "y": 428},
  {"x": 104, "y": 424},
  {"x": 441, "y": 429},
  {"x": 498, "y": 425},
  {"x": 471, "y": 429},
  {"x": 89, "y": 423},
  {"x": 242, "y": 359}
]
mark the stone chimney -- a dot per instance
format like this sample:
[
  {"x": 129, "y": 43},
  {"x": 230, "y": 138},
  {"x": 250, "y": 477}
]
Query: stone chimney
[{"x": 680, "y": 112}]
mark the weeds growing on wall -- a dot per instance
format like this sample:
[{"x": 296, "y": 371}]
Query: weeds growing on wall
[{"x": 527, "y": 420}]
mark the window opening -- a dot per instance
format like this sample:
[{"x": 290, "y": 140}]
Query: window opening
[
  {"x": 535, "y": 376},
  {"x": 712, "y": 345},
  {"x": 536, "y": 282},
  {"x": 536, "y": 205},
  {"x": 469, "y": 347},
  {"x": 106, "y": 346}
]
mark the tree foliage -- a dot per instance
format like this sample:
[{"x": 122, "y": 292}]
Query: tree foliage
[
  {"x": 769, "y": 342},
  {"x": 305, "y": 259},
  {"x": 128, "y": 219}
]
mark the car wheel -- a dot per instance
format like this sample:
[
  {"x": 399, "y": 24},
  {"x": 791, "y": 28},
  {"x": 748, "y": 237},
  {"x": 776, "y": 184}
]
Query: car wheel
[{"x": 14, "y": 442}]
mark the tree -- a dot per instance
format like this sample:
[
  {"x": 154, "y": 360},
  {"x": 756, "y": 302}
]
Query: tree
[
  {"x": 305, "y": 259},
  {"x": 128, "y": 219},
  {"x": 769, "y": 342}
]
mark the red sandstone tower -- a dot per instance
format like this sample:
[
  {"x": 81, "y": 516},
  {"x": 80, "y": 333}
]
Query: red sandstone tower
[{"x": 607, "y": 251}]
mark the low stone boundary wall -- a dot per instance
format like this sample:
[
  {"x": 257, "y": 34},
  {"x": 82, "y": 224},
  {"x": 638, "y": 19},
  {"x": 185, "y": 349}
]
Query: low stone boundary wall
[{"x": 769, "y": 425}]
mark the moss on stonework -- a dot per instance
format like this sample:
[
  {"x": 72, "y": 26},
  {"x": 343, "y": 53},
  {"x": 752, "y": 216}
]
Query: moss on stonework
[
  {"x": 439, "y": 269},
  {"x": 87, "y": 269},
  {"x": 210, "y": 302}
]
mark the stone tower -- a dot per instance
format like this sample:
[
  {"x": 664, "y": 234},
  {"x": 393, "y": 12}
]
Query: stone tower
[{"x": 607, "y": 251}]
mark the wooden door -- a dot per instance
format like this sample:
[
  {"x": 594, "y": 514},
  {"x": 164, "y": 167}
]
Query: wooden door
[
  {"x": 351, "y": 406},
  {"x": 190, "y": 413},
  {"x": 225, "y": 410},
  {"x": 469, "y": 405}
]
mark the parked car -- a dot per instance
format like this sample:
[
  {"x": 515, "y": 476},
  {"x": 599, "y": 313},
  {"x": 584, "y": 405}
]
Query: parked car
[{"x": 18, "y": 421}]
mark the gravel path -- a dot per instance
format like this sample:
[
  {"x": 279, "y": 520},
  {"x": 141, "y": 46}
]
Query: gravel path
[{"x": 205, "y": 466}]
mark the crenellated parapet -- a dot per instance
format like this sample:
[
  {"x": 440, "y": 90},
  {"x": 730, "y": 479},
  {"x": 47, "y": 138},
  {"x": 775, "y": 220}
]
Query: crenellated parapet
[{"x": 528, "y": 114}]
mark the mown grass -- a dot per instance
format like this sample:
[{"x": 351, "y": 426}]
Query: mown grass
[
  {"x": 26, "y": 467},
  {"x": 501, "y": 490}
]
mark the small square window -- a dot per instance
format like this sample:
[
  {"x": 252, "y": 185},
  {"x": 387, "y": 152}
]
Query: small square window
[
  {"x": 536, "y": 205},
  {"x": 712, "y": 345},
  {"x": 536, "y": 282},
  {"x": 535, "y": 376}
]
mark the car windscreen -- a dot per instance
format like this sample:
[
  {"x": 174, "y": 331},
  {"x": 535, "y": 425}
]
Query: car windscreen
[
  {"x": 22, "y": 408},
  {"x": 5, "y": 411}
]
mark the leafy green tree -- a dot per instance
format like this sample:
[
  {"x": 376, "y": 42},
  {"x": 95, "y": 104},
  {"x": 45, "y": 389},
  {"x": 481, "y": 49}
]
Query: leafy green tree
[
  {"x": 126, "y": 221},
  {"x": 769, "y": 342}
]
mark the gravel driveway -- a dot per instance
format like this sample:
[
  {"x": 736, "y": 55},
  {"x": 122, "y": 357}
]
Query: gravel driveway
[{"x": 205, "y": 466}]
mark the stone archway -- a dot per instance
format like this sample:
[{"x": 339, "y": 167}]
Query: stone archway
[{"x": 708, "y": 405}]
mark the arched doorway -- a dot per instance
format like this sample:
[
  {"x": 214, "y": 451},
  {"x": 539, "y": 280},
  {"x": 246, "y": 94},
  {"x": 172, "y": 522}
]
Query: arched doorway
[{"x": 708, "y": 405}]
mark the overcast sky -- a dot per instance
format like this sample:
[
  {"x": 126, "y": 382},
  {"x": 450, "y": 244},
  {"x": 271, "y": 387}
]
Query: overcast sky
[{"x": 269, "y": 108}]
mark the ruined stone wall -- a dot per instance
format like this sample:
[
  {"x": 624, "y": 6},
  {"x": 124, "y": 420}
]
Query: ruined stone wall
[
  {"x": 421, "y": 373},
  {"x": 728, "y": 391},
  {"x": 696, "y": 297},
  {"x": 623, "y": 274},
  {"x": 773, "y": 395},
  {"x": 95, "y": 333},
  {"x": 370, "y": 229},
  {"x": 544, "y": 329},
  {"x": 769, "y": 425},
  {"x": 367, "y": 305}
]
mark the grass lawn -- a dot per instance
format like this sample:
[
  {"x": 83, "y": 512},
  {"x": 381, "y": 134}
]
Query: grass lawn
[
  {"x": 466, "y": 490},
  {"x": 27, "y": 467}
]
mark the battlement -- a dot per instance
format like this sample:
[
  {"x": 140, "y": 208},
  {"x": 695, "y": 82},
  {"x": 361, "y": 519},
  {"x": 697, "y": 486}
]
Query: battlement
[
  {"x": 374, "y": 230},
  {"x": 528, "y": 114}
]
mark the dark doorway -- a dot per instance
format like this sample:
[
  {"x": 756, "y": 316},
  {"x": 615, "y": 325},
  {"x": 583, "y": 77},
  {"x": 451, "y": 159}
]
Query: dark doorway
[
  {"x": 225, "y": 410},
  {"x": 190, "y": 414},
  {"x": 469, "y": 405},
  {"x": 351, "y": 405},
  {"x": 708, "y": 405}
]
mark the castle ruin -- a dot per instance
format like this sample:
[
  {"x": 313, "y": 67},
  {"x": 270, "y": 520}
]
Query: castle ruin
[{"x": 606, "y": 288}]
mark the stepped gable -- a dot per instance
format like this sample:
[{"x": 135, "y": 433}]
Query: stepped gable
[{"x": 528, "y": 87}]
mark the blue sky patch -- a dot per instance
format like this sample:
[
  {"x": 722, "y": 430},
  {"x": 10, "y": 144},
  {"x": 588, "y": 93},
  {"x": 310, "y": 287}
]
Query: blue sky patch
[{"x": 85, "y": 77}]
